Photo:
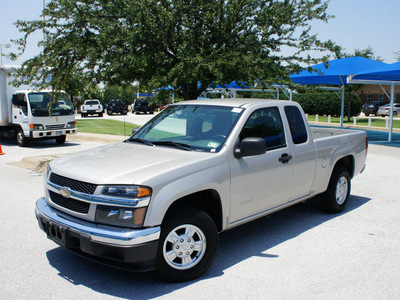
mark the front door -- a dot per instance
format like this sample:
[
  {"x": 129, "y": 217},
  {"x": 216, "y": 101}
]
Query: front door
[{"x": 261, "y": 182}]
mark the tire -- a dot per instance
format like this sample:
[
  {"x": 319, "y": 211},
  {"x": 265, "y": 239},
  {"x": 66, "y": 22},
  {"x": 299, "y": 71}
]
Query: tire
[
  {"x": 188, "y": 245},
  {"x": 100, "y": 114},
  {"x": 335, "y": 198},
  {"x": 22, "y": 140},
  {"x": 367, "y": 115},
  {"x": 61, "y": 139}
]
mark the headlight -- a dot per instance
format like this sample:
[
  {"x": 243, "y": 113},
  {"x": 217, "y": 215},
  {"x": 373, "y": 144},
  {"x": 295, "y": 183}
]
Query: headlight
[
  {"x": 36, "y": 126},
  {"x": 124, "y": 215},
  {"x": 120, "y": 216},
  {"x": 129, "y": 191},
  {"x": 71, "y": 124}
]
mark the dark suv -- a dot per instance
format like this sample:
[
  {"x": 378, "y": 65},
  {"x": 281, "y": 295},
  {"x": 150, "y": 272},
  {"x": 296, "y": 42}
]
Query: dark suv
[
  {"x": 142, "y": 105},
  {"x": 117, "y": 106},
  {"x": 371, "y": 108}
]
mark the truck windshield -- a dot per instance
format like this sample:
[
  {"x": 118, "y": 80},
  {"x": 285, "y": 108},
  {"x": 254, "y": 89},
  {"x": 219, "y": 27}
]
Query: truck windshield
[
  {"x": 40, "y": 104},
  {"x": 189, "y": 127}
]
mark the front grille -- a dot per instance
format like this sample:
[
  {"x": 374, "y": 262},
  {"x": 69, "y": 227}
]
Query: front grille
[
  {"x": 54, "y": 127},
  {"x": 75, "y": 185},
  {"x": 68, "y": 203}
]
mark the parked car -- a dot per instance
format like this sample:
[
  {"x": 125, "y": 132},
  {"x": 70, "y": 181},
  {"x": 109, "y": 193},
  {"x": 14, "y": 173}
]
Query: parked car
[
  {"x": 371, "y": 108},
  {"x": 142, "y": 105},
  {"x": 117, "y": 106},
  {"x": 385, "y": 110},
  {"x": 91, "y": 107}
]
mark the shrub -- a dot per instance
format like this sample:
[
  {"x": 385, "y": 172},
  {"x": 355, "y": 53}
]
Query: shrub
[{"x": 328, "y": 103}]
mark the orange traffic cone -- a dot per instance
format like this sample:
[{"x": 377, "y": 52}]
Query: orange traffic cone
[{"x": 1, "y": 151}]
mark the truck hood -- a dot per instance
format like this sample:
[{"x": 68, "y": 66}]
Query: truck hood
[{"x": 130, "y": 163}]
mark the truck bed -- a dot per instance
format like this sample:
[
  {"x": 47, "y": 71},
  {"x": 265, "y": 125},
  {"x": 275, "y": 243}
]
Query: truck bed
[{"x": 325, "y": 132}]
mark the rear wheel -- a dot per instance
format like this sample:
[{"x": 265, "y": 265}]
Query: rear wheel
[
  {"x": 188, "y": 245},
  {"x": 335, "y": 198}
]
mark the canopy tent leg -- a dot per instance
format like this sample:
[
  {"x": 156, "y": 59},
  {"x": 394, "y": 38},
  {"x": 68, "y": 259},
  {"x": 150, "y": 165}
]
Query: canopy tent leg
[{"x": 391, "y": 112}]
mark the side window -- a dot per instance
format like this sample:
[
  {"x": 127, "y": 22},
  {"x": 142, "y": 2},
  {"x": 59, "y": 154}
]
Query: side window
[
  {"x": 296, "y": 124},
  {"x": 266, "y": 124},
  {"x": 20, "y": 101}
]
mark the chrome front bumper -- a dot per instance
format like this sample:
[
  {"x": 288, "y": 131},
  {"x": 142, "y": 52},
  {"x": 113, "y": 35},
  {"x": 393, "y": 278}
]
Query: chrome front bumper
[
  {"x": 109, "y": 235},
  {"x": 52, "y": 133}
]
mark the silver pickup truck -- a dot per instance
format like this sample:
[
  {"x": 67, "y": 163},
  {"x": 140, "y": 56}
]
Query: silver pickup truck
[{"x": 159, "y": 199}]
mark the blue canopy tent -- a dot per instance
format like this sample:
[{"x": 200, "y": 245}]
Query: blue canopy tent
[
  {"x": 335, "y": 73},
  {"x": 384, "y": 75}
]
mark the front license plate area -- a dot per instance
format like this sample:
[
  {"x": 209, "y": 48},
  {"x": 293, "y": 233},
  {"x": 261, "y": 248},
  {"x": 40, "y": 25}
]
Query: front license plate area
[
  {"x": 55, "y": 232},
  {"x": 59, "y": 132}
]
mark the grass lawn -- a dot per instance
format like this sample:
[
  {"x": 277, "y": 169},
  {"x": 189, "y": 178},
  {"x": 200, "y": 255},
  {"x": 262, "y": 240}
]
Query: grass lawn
[
  {"x": 360, "y": 121},
  {"x": 116, "y": 127},
  {"x": 105, "y": 126}
]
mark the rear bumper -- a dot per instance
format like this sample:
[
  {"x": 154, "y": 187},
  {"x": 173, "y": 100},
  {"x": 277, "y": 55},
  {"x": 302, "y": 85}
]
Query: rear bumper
[
  {"x": 91, "y": 111},
  {"x": 119, "y": 247}
]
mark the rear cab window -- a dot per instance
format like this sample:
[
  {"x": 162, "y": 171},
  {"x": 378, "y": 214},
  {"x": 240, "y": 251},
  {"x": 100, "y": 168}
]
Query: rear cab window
[{"x": 296, "y": 124}]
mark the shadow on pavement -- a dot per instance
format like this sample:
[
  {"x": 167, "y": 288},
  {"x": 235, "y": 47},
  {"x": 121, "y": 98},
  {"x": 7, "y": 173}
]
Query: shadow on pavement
[
  {"x": 236, "y": 245},
  {"x": 39, "y": 144}
]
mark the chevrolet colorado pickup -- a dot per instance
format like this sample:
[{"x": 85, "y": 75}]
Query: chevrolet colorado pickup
[{"x": 159, "y": 199}]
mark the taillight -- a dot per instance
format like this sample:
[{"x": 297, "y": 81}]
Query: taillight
[{"x": 366, "y": 146}]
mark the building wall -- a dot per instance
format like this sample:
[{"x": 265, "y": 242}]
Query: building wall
[{"x": 375, "y": 93}]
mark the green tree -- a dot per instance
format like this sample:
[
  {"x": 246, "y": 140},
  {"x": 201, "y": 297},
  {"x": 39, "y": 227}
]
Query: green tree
[
  {"x": 188, "y": 44},
  {"x": 397, "y": 55},
  {"x": 339, "y": 52},
  {"x": 125, "y": 92}
]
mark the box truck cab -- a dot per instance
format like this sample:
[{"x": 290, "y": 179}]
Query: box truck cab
[{"x": 29, "y": 114}]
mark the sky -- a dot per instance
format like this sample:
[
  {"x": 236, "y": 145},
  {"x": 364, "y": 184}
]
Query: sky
[{"x": 358, "y": 24}]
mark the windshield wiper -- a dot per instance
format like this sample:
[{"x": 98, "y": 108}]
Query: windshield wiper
[
  {"x": 139, "y": 140},
  {"x": 174, "y": 144}
]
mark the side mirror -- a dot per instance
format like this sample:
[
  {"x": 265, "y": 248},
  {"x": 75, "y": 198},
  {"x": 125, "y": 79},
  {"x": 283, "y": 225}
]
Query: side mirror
[
  {"x": 134, "y": 130},
  {"x": 251, "y": 146}
]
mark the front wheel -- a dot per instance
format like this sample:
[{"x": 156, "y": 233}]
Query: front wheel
[
  {"x": 61, "y": 139},
  {"x": 22, "y": 140},
  {"x": 335, "y": 198},
  {"x": 188, "y": 245}
]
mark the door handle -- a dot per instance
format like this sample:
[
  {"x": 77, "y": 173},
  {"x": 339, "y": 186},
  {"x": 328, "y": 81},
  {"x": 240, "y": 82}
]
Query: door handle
[{"x": 285, "y": 158}]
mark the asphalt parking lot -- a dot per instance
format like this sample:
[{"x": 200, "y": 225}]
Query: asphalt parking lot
[{"x": 298, "y": 253}]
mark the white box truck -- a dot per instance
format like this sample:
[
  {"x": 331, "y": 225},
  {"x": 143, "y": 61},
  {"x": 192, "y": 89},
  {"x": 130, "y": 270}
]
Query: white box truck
[{"x": 30, "y": 114}]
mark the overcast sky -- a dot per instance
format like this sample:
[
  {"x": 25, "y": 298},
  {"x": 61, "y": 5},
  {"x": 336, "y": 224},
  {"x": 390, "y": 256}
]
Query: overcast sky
[{"x": 358, "y": 24}]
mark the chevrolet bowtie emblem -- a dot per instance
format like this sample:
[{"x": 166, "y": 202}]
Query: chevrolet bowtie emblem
[{"x": 65, "y": 192}]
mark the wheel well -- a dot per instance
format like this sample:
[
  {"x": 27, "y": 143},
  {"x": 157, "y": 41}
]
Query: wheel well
[
  {"x": 348, "y": 163},
  {"x": 208, "y": 201}
]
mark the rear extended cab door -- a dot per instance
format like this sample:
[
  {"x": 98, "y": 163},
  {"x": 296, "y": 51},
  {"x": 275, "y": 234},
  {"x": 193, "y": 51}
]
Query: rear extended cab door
[
  {"x": 263, "y": 182},
  {"x": 303, "y": 150}
]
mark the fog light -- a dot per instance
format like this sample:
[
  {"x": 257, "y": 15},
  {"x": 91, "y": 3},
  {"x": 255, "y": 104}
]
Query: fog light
[{"x": 120, "y": 216}]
